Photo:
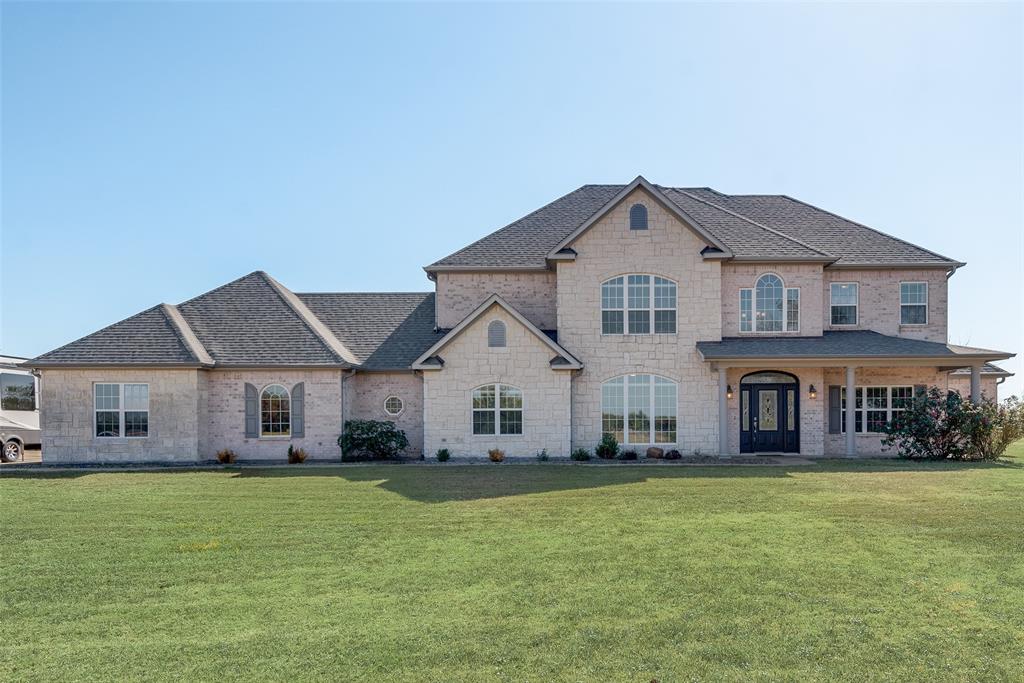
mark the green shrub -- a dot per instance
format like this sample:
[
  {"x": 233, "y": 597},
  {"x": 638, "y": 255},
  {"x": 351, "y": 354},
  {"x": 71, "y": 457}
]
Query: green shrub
[
  {"x": 371, "y": 440},
  {"x": 608, "y": 448},
  {"x": 628, "y": 455},
  {"x": 296, "y": 455},
  {"x": 672, "y": 455},
  {"x": 580, "y": 454},
  {"x": 542, "y": 455},
  {"x": 442, "y": 454}
]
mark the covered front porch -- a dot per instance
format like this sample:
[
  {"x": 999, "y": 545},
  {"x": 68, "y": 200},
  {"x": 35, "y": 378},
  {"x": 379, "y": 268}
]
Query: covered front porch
[{"x": 828, "y": 395}]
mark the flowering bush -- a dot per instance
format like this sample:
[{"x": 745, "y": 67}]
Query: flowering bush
[
  {"x": 943, "y": 425},
  {"x": 371, "y": 440}
]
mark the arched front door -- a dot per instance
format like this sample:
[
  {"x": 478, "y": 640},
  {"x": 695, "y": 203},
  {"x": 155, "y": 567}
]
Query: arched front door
[{"x": 769, "y": 413}]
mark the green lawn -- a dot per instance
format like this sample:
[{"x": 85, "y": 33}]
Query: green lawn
[{"x": 837, "y": 571}]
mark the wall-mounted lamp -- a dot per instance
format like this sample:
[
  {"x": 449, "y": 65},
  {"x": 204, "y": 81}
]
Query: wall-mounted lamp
[
  {"x": 812, "y": 392},
  {"x": 728, "y": 391}
]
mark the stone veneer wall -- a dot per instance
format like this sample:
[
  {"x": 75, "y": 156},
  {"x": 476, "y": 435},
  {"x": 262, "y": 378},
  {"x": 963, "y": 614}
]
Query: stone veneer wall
[
  {"x": 813, "y": 412},
  {"x": 668, "y": 249},
  {"x": 805, "y": 277},
  {"x": 67, "y": 416},
  {"x": 364, "y": 400},
  {"x": 226, "y": 414},
  {"x": 879, "y": 306},
  {"x": 532, "y": 294},
  {"x": 469, "y": 363}
]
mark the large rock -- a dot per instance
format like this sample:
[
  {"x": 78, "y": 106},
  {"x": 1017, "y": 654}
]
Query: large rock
[{"x": 655, "y": 452}]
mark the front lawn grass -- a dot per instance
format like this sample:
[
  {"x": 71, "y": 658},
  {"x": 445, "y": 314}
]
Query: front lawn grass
[{"x": 837, "y": 571}]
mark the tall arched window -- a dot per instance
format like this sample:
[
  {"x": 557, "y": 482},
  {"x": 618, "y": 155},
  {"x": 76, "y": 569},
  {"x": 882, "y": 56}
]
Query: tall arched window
[
  {"x": 497, "y": 409},
  {"x": 639, "y": 409},
  {"x": 496, "y": 334},
  {"x": 275, "y": 411},
  {"x": 638, "y": 217},
  {"x": 638, "y": 304},
  {"x": 770, "y": 306}
]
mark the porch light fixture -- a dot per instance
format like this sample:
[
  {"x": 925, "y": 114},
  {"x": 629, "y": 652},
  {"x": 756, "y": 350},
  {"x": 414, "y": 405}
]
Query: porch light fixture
[
  {"x": 812, "y": 392},
  {"x": 728, "y": 391}
]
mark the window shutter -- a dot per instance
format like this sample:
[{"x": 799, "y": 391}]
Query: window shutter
[
  {"x": 299, "y": 410},
  {"x": 835, "y": 409},
  {"x": 252, "y": 412}
]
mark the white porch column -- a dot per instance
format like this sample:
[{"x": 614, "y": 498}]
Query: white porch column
[
  {"x": 851, "y": 411},
  {"x": 976, "y": 383},
  {"x": 723, "y": 411}
]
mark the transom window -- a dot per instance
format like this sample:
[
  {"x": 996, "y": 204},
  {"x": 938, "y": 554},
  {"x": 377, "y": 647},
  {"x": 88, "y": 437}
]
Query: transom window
[
  {"x": 638, "y": 304},
  {"x": 497, "y": 409},
  {"x": 275, "y": 411},
  {"x": 496, "y": 334},
  {"x": 638, "y": 217},
  {"x": 639, "y": 409},
  {"x": 121, "y": 410},
  {"x": 393, "y": 405},
  {"x": 844, "y": 303},
  {"x": 874, "y": 407},
  {"x": 770, "y": 306},
  {"x": 913, "y": 303}
]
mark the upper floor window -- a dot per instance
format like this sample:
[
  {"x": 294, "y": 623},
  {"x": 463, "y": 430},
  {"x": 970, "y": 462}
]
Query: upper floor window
[
  {"x": 639, "y": 409},
  {"x": 275, "y": 411},
  {"x": 913, "y": 303},
  {"x": 496, "y": 334},
  {"x": 844, "y": 302},
  {"x": 638, "y": 217},
  {"x": 121, "y": 410},
  {"x": 497, "y": 409},
  {"x": 770, "y": 306},
  {"x": 638, "y": 304},
  {"x": 17, "y": 392}
]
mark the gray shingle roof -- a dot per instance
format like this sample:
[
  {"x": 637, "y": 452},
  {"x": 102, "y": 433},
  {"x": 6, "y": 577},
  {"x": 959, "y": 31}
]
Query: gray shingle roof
[
  {"x": 752, "y": 226},
  {"x": 845, "y": 344},
  {"x": 386, "y": 331},
  {"x": 147, "y": 338}
]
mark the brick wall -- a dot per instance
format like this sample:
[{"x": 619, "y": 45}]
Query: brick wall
[
  {"x": 805, "y": 277},
  {"x": 532, "y": 294},
  {"x": 365, "y": 393},
  {"x": 469, "y": 363},
  {"x": 879, "y": 308},
  {"x": 962, "y": 383},
  {"x": 667, "y": 249}
]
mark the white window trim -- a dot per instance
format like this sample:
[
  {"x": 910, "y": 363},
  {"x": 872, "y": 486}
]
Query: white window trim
[
  {"x": 120, "y": 411},
  {"x": 625, "y": 308},
  {"x": 753, "y": 308},
  {"x": 497, "y": 409},
  {"x": 927, "y": 298},
  {"x": 650, "y": 407},
  {"x": 856, "y": 305},
  {"x": 861, "y": 414},
  {"x": 385, "y": 405},
  {"x": 259, "y": 412}
]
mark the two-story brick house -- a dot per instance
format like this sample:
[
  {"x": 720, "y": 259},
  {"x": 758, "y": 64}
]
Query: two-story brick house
[{"x": 681, "y": 318}]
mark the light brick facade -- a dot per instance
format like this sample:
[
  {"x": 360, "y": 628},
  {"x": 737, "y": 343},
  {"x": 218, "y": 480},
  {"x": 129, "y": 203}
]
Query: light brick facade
[
  {"x": 879, "y": 306},
  {"x": 532, "y": 294},
  {"x": 366, "y": 392},
  {"x": 805, "y": 277}
]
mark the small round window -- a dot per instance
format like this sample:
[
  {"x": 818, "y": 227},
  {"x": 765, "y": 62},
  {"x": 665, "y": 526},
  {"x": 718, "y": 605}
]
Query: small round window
[{"x": 393, "y": 405}]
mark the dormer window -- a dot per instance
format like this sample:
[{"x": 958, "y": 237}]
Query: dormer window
[
  {"x": 770, "y": 306},
  {"x": 496, "y": 335},
  {"x": 638, "y": 217}
]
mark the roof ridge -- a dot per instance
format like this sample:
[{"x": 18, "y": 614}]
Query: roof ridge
[
  {"x": 866, "y": 227},
  {"x": 315, "y": 325},
  {"x": 753, "y": 222},
  {"x": 223, "y": 286},
  {"x": 186, "y": 335}
]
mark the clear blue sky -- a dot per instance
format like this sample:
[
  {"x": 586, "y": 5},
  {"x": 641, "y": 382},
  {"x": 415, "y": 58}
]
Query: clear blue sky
[{"x": 154, "y": 151}]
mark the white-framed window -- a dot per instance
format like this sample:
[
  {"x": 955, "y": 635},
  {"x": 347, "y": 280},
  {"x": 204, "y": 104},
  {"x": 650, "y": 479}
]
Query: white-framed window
[
  {"x": 770, "y": 306},
  {"x": 844, "y": 298},
  {"x": 913, "y": 303},
  {"x": 638, "y": 304},
  {"x": 497, "y": 409},
  {"x": 121, "y": 410},
  {"x": 638, "y": 217},
  {"x": 875, "y": 406},
  {"x": 393, "y": 405},
  {"x": 639, "y": 409},
  {"x": 275, "y": 411}
]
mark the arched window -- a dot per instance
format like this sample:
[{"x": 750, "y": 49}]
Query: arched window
[
  {"x": 393, "y": 405},
  {"x": 638, "y": 217},
  {"x": 639, "y": 409},
  {"x": 275, "y": 411},
  {"x": 629, "y": 306},
  {"x": 497, "y": 409},
  {"x": 496, "y": 334},
  {"x": 770, "y": 306}
]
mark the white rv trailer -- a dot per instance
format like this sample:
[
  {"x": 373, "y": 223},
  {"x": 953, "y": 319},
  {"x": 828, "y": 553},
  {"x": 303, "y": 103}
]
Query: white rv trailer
[{"x": 19, "y": 408}]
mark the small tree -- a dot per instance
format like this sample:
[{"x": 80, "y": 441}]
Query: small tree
[
  {"x": 372, "y": 440},
  {"x": 608, "y": 448}
]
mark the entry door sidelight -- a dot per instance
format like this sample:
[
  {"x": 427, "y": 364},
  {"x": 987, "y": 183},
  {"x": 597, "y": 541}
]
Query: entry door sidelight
[{"x": 768, "y": 419}]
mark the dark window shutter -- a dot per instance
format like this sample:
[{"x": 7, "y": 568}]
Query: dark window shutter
[
  {"x": 252, "y": 412},
  {"x": 835, "y": 409},
  {"x": 299, "y": 410}
]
